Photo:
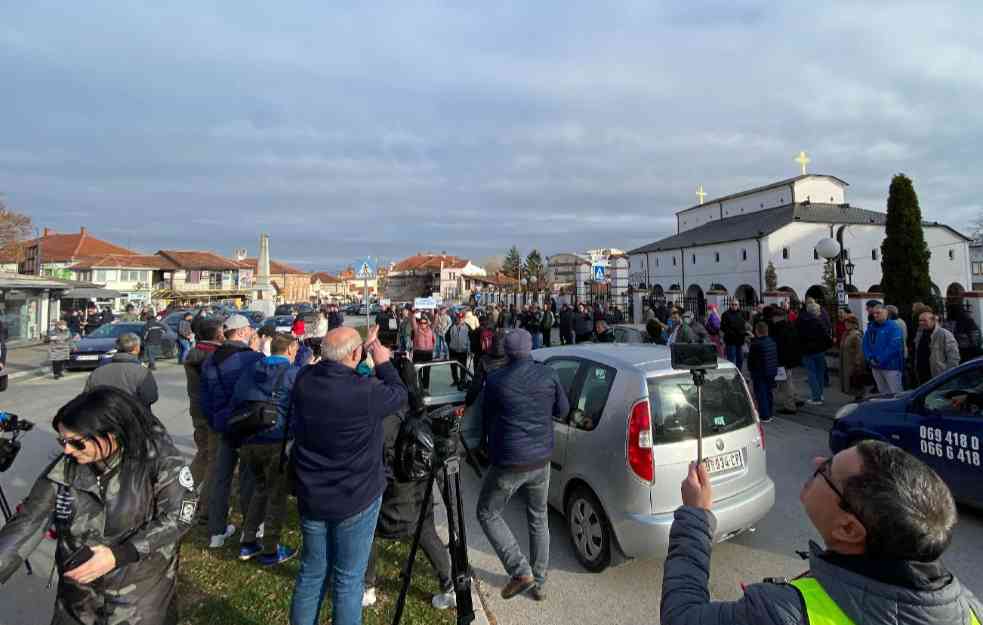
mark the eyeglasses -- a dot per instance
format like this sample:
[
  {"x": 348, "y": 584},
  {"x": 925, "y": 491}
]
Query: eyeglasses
[
  {"x": 78, "y": 444},
  {"x": 825, "y": 471}
]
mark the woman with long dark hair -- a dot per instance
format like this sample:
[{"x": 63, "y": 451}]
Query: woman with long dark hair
[{"x": 120, "y": 497}]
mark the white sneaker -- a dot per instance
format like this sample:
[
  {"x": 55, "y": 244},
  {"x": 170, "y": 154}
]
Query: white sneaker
[
  {"x": 218, "y": 540},
  {"x": 259, "y": 532},
  {"x": 368, "y": 598},
  {"x": 813, "y": 402},
  {"x": 445, "y": 600}
]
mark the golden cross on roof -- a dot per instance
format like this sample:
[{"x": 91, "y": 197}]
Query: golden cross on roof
[
  {"x": 700, "y": 193},
  {"x": 803, "y": 160}
]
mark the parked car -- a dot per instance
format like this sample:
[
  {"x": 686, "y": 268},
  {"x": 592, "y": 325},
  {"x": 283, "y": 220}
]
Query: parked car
[
  {"x": 280, "y": 323},
  {"x": 304, "y": 308},
  {"x": 87, "y": 352},
  {"x": 940, "y": 422},
  {"x": 634, "y": 333},
  {"x": 625, "y": 447},
  {"x": 286, "y": 309},
  {"x": 255, "y": 317}
]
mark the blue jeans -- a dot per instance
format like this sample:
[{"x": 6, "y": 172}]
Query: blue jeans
[
  {"x": 763, "y": 394},
  {"x": 150, "y": 355},
  {"x": 183, "y": 347},
  {"x": 537, "y": 340},
  {"x": 496, "y": 491},
  {"x": 440, "y": 348},
  {"x": 735, "y": 354},
  {"x": 341, "y": 547},
  {"x": 815, "y": 365}
]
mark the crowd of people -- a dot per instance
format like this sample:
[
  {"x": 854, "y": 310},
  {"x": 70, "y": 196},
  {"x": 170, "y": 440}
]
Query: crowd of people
[{"x": 324, "y": 427}]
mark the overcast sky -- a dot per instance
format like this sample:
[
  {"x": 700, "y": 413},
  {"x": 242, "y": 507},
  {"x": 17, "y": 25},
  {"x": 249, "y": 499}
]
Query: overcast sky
[{"x": 399, "y": 127}]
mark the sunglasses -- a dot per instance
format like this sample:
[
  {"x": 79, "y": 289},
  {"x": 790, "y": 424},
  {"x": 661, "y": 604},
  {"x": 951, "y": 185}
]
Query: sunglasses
[{"x": 78, "y": 444}]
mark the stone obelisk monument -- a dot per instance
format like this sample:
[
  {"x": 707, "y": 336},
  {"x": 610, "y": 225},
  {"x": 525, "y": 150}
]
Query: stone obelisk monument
[{"x": 265, "y": 299}]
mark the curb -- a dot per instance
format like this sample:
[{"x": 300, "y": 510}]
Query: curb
[
  {"x": 29, "y": 373},
  {"x": 481, "y": 614}
]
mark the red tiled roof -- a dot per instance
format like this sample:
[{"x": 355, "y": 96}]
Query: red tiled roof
[
  {"x": 193, "y": 259},
  {"x": 326, "y": 278},
  {"x": 142, "y": 261},
  {"x": 56, "y": 248},
  {"x": 275, "y": 266},
  {"x": 430, "y": 261}
]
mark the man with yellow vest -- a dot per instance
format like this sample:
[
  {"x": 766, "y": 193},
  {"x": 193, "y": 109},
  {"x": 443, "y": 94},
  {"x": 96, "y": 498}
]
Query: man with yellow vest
[{"x": 886, "y": 519}]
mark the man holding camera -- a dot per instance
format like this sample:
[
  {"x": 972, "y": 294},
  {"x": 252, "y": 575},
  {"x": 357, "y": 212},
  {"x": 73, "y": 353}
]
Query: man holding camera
[
  {"x": 337, "y": 421},
  {"x": 886, "y": 519},
  {"x": 520, "y": 402}
]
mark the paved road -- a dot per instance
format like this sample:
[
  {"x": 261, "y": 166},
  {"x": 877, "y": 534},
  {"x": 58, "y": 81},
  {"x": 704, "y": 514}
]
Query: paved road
[{"x": 626, "y": 593}]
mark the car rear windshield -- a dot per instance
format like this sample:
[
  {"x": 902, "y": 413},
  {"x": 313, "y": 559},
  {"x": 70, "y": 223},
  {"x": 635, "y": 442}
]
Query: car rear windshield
[{"x": 674, "y": 406}]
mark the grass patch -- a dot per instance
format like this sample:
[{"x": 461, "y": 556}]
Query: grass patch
[{"x": 215, "y": 588}]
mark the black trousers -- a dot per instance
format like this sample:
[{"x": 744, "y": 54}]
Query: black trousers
[
  {"x": 433, "y": 547},
  {"x": 461, "y": 357},
  {"x": 57, "y": 367},
  {"x": 420, "y": 355},
  {"x": 547, "y": 337}
]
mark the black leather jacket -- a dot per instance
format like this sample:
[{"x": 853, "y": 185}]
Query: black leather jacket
[{"x": 139, "y": 510}]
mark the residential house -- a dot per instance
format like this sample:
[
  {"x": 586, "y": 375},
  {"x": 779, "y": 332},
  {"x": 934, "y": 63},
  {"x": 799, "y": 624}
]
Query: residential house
[
  {"x": 421, "y": 275},
  {"x": 726, "y": 244},
  {"x": 199, "y": 277},
  {"x": 976, "y": 260},
  {"x": 57, "y": 252},
  {"x": 356, "y": 287},
  {"x": 133, "y": 276},
  {"x": 326, "y": 288},
  {"x": 292, "y": 285}
]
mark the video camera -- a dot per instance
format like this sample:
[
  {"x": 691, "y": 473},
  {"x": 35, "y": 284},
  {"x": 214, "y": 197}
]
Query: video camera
[{"x": 10, "y": 447}]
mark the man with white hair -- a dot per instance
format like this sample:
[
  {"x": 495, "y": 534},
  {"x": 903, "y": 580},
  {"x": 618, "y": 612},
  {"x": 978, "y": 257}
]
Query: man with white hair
[{"x": 337, "y": 423}]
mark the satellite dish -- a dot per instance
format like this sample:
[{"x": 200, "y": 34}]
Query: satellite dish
[{"x": 828, "y": 248}]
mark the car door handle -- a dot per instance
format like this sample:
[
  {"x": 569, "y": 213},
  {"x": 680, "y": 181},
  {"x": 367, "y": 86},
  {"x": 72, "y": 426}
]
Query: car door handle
[{"x": 556, "y": 465}]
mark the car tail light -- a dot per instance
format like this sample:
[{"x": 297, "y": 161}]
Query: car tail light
[
  {"x": 640, "y": 456},
  {"x": 761, "y": 433}
]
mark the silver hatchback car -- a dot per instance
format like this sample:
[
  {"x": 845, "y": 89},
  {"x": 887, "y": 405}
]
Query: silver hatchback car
[{"x": 622, "y": 452}]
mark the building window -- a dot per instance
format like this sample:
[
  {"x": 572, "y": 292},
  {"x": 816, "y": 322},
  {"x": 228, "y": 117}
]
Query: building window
[
  {"x": 716, "y": 256},
  {"x": 873, "y": 254},
  {"x": 673, "y": 261},
  {"x": 657, "y": 261},
  {"x": 978, "y": 268},
  {"x": 952, "y": 254},
  {"x": 194, "y": 277},
  {"x": 693, "y": 259},
  {"x": 815, "y": 254},
  {"x": 744, "y": 254}
]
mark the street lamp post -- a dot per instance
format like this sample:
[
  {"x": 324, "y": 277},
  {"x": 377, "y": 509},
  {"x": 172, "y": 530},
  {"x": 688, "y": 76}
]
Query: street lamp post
[{"x": 522, "y": 289}]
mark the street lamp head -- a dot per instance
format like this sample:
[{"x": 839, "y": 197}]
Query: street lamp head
[
  {"x": 828, "y": 248},
  {"x": 523, "y": 282},
  {"x": 850, "y": 266}
]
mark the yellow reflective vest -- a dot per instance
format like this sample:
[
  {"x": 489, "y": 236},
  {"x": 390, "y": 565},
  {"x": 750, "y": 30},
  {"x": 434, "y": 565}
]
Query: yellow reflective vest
[{"x": 822, "y": 610}]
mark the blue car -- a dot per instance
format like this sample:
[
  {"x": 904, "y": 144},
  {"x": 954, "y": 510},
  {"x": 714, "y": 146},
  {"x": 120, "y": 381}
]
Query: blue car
[{"x": 940, "y": 422}]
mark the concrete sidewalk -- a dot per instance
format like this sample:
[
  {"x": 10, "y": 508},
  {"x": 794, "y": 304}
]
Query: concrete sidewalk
[{"x": 28, "y": 361}]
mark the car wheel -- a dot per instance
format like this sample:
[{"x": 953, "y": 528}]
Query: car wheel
[{"x": 590, "y": 531}]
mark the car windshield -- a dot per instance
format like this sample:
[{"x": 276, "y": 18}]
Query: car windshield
[
  {"x": 253, "y": 315},
  {"x": 114, "y": 330},
  {"x": 674, "y": 405},
  {"x": 283, "y": 320}
]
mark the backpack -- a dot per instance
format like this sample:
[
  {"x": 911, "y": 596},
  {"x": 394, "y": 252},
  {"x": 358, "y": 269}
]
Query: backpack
[
  {"x": 253, "y": 417},
  {"x": 486, "y": 336}
]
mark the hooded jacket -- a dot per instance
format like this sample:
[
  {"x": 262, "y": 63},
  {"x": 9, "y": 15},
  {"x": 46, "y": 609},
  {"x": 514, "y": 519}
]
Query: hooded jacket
[
  {"x": 196, "y": 356},
  {"x": 219, "y": 375},
  {"x": 257, "y": 384},
  {"x": 903, "y": 593},
  {"x": 140, "y": 511}
]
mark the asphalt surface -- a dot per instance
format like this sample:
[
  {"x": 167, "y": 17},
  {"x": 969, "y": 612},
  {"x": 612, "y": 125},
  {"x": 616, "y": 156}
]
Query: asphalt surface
[{"x": 626, "y": 593}]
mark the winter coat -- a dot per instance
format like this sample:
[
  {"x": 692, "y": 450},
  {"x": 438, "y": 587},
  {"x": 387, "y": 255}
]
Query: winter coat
[
  {"x": 943, "y": 351},
  {"x": 852, "y": 363},
  {"x": 520, "y": 403},
  {"x": 184, "y": 330},
  {"x": 734, "y": 327},
  {"x": 139, "y": 510},
  {"x": 929, "y": 596},
  {"x": 219, "y": 375},
  {"x": 712, "y": 324},
  {"x": 813, "y": 334},
  {"x": 153, "y": 333},
  {"x": 692, "y": 332},
  {"x": 258, "y": 385},
  {"x": 547, "y": 321},
  {"x": 883, "y": 346},
  {"x": 566, "y": 322},
  {"x": 762, "y": 359},
  {"x": 336, "y": 319},
  {"x": 126, "y": 373},
  {"x": 59, "y": 344},
  {"x": 195, "y": 357},
  {"x": 459, "y": 339},
  {"x": 401, "y": 501},
  {"x": 786, "y": 337},
  {"x": 442, "y": 324},
  {"x": 336, "y": 418},
  {"x": 471, "y": 321},
  {"x": 582, "y": 324}
]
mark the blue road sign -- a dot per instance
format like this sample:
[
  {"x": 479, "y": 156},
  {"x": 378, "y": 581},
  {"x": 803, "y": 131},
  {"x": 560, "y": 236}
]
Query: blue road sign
[{"x": 598, "y": 273}]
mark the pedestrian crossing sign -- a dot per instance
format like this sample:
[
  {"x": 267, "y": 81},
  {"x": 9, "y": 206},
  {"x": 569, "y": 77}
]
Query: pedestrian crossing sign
[
  {"x": 597, "y": 272},
  {"x": 365, "y": 269}
]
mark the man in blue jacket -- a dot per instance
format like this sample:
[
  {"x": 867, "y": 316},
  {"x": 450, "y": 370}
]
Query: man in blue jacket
[
  {"x": 271, "y": 379},
  {"x": 884, "y": 351},
  {"x": 337, "y": 421},
  {"x": 219, "y": 375},
  {"x": 520, "y": 402}
]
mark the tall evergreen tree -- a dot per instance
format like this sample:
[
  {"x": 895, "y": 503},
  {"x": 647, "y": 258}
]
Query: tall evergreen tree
[
  {"x": 512, "y": 263},
  {"x": 534, "y": 265},
  {"x": 904, "y": 253}
]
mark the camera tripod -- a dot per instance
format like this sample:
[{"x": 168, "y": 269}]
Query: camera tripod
[
  {"x": 10, "y": 447},
  {"x": 457, "y": 543}
]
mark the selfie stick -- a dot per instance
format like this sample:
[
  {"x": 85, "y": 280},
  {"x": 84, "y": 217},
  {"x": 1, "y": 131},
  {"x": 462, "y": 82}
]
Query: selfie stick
[{"x": 699, "y": 377}]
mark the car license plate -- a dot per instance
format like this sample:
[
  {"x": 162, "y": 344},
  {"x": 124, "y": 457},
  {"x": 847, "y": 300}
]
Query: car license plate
[
  {"x": 724, "y": 462},
  {"x": 88, "y": 357}
]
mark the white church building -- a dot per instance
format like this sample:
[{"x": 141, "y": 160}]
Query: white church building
[{"x": 724, "y": 245}]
